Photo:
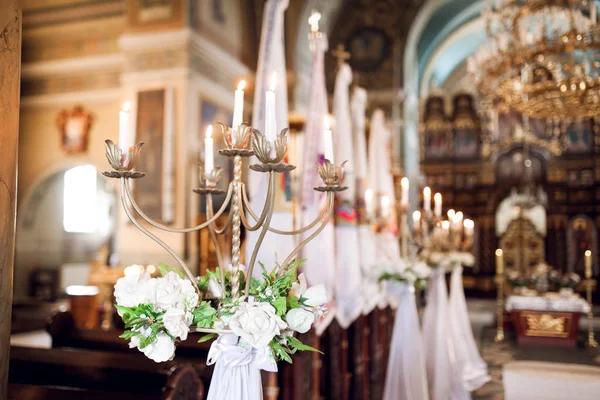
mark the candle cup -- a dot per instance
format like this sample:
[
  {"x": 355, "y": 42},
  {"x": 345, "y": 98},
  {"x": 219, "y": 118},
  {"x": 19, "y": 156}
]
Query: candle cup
[{"x": 123, "y": 163}]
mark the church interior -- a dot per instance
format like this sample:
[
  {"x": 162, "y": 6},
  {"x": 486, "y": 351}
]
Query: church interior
[{"x": 428, "y": 167}]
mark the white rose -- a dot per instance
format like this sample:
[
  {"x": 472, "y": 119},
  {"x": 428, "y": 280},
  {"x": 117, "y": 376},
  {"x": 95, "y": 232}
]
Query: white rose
[
  {"x": 128, "y": 290},
  {"x": 174, "y": 291},
  {"x": 299, "y": 319},
  {"x": 177, "y": 322},
  {"x": 161, "y": 350},
  {"x": 214, "y": 288},
  {"x": 315, "y": 296},
  {"x": 298, "y": 288},
  {"x": 256, "y": 323},
  {"x": 422, "y": 270}
]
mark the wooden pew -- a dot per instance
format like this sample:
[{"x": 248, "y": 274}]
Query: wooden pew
[{"x": 52, "y": 373}]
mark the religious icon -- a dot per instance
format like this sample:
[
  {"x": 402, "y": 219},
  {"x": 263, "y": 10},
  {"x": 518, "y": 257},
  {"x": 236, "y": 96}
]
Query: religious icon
[
  {"x": 466, "y": 127},
  {"x": 74, "y": 126},
  {"x": 369, "y": 47},
  {"x": 579, "y": 136}
]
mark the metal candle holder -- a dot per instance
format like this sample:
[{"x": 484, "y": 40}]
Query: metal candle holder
[
  {"x": 237, "y": 145},
  {"x": 589, "y": 287},
  {"x": 499, "y": 308}
]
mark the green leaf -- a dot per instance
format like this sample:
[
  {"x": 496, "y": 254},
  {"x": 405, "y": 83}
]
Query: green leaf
[
  {"x": 297, "y": 344},
  {"x": 165, "y": 269},
  {"x": 281, "y": 352},
  {"x": 280, "y": 306},
  {"x": 204, "y": 315},
  {"x": 207, "y": 337},
  {"x": 293, "y": 302},
  {"x": 129, "y": 334}
]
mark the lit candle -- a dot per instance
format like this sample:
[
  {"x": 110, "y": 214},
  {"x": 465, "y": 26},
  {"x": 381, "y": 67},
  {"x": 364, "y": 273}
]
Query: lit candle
[
  {"x": 369, "y": 202},
  {"x": 427, "y": 199},
  {"x": 445, "y": 227},
  {"x": 313, "y": 21},
  {"x": 458, "y": 220},
  {"x": 124, "y": 127},
  {"x": 588, "y": 264},
  {"x": 416, "y": 220},
  {"x": 469, "y": 227},
  {"x": 238, "y": 106},
  {"x": 328, "y": 140},
  {"x": 385, "y": 207},
  {"x": 437, "y": 200},
  {"x": 209, "y": 159},
  {"x": 451, "y": 213},
  {"x": 499, "y": 262},
  {"x": 270, "y": 120},
  {"x": 405, "y": 185}
]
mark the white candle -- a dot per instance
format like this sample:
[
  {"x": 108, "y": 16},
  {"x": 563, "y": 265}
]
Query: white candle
[
  {"x": 499, "y": 262},
  {"x": 209, "y": 160},
  {"x": 369, "y": 202},
  {"x": 417, "y": 220},
  {"x": 458, "y": 220},
  {"x": 405, "y": 185},
  {"x": 385, "y": 207},
  {"x": 469, "y": 227},
  {"x": 588, "y": 264},
  {"x": 270, "y": 120},
  {"x": 451, "y": 213},
  {"x": 445, "y": 227},
  {"x": 427, "y": 199},
  {"x": 437, "y": 199},
  {"x": 238, "y": 106},
  {"x": 124, "y": 127},
  {"x": 328, "y": 140}
]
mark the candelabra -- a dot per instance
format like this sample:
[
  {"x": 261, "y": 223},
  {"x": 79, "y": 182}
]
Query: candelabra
[
  {"x": 590, "y": 284},
  {"x": 237, "y": 146}
]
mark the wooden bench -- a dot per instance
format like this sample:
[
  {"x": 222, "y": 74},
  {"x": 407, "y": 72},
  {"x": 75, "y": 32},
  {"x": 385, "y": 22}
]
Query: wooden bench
[{"x": 47, "y": 373}]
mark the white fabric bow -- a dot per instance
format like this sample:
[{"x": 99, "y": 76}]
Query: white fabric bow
[{"x": 237, "y": 369}]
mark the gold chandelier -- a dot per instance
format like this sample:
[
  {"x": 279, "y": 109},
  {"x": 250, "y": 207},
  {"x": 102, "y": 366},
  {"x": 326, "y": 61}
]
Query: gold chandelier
[{"x": 541, "y": 57}]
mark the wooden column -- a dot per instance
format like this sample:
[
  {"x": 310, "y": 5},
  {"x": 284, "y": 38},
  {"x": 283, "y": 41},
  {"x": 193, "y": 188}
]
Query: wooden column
[{"x": 10, "y": 74}]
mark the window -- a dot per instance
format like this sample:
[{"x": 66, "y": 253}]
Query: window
[{"x": 79, "y": 201}]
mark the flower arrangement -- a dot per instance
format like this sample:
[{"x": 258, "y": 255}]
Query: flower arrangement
[
  {"x": 160, "y": 312},
  {"x": 449, "y": 259},
  {"x": 518, "y": 280},
  {"x": 415, "y": 273},
  {"x": 569, "y": 281}
]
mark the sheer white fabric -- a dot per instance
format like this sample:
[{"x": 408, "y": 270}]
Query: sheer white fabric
[
  {"x": 541, "y": 303},
  {"x": 347, "y": 257},
  {"x": 406, "y": 378},
  {"x": 470, "y": 365},
  {"x": 237, "y": 369},
  {"x": 320, "y": 253},
  {"x": 271, "y": 58},
  {"x": 444, "y": 379}
]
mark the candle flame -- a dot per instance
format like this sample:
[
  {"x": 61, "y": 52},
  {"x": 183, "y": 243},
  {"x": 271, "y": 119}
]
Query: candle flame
[
  {"x": 417, "y": 215},
  {"x": 451, "y": 213},
  {"x": 427, "y": 191},
  {"x": 126, "y": 106},
  {"x": 445, "y": 224},
  {"x": 468, "y": 223},
  {"x": 499, "y": 252},
  {"x": 458, "y": 216},
  {"x": 313, "y": 21},
  {"x": 209, "y": 131},
  {"x": 404, "y": 182},
  {"x": 241, "y": 85},
  {"x": 588, "y": 253},
  {"x": 437, "y": 197},
  {"x": 273, "y": 81}
]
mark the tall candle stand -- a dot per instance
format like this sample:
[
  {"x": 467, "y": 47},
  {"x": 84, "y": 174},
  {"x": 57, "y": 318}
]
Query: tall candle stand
[
  {"x": 499, "y": 308},
  {"x": 239, "y": 143},
  {"x": 590, "y": 284}
]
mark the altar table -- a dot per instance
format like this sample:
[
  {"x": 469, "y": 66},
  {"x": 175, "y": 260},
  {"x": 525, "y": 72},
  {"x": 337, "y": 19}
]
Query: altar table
[{"x": 546, "y": 320}]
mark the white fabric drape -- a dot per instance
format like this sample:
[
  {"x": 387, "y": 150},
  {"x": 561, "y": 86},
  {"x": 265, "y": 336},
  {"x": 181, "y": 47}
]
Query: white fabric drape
[
  {"x": 382, "y": 184},
  {"x": 347, "y": 265},
  {"x": 444, "y": 379},
  {"x": 271, "y": 58},
  {"x": 471, "y": 366},
  {"x": 237, "y": 369},
  {"x": 406, "y": 378},
  {"x": 370, "y": 293},
  {"x": 320, "y": 253}
]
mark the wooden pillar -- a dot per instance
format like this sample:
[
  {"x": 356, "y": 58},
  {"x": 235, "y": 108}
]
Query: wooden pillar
[{"x": 10, "y": 75}]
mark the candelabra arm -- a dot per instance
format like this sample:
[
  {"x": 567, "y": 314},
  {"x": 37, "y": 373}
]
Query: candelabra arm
[
  {"x": 280, "y": 232},
  {"x": 221, "y": 231},
  {"x": 324, "y": 223},
  {"x": 125, "y": 187},
  {"x": 124, "y": 198},
  {"x": 269, "y": 211},
  {"x": 213, "y": 236},
  {"x": 245, "y": 204}
]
